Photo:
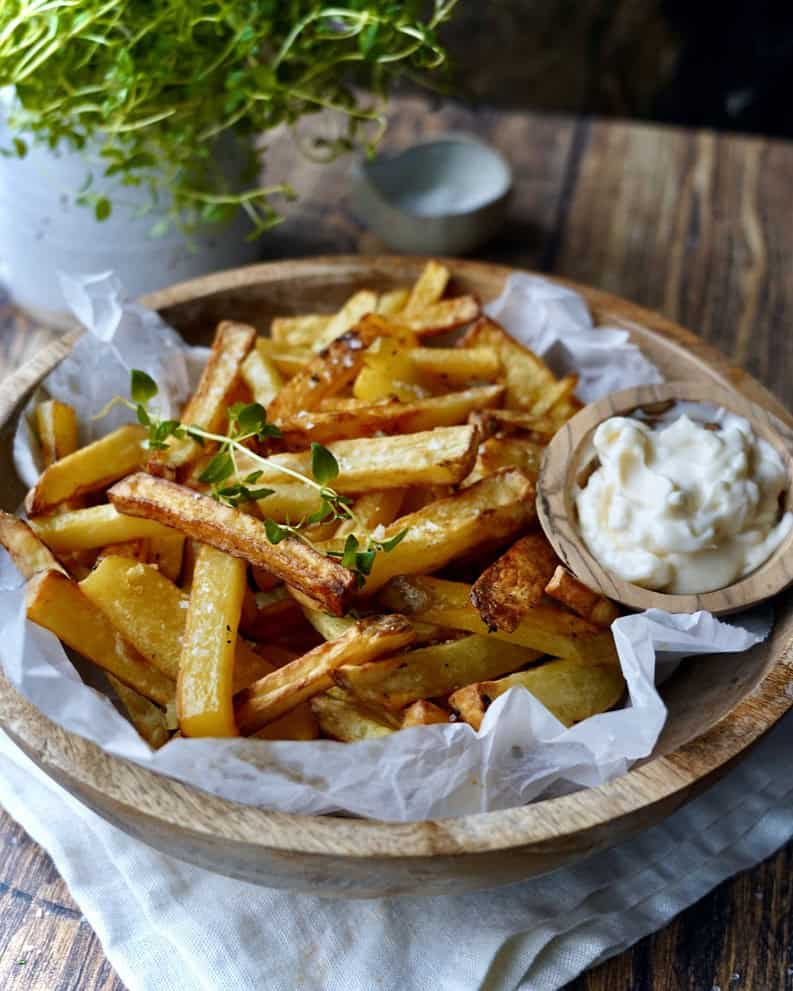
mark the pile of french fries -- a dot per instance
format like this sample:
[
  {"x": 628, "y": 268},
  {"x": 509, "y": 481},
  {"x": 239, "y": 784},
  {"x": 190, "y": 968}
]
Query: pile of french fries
[{"x": 205, "y": 628}]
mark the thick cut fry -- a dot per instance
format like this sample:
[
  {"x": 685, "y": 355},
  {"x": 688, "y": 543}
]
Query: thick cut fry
[
  {"x": 356, "y": 307},
  {"x": 373, "y": 509},
  {"x": 208, "y": 404},
  {"x": 506, "y": 452},
  {"x": 514, "y": 421},
  {"x": 135, "y": 550},
  {"x": 56, "y": 426},
  {"x": 166, "y": 551},
  {"x": 527, "y": 376},
  {"x": 455, "y": 366},
  {"x": 29, "y": 554},
  {"x": 442, "y": 317},
  {"x": 392, "y": 302},
  {"x": 571, "y": 691},
  {"x": 147, "y": 718},
  {"x": 555, "y": 394},
  {"x": 150, "y": 612},
  {"x": 298, "y": 724},
  {"x": 423, "y": 713},
  {"x": 545, "y": 628},
  {"x": 287, "y": 361},
  {"x": 568, "y": 590},
  {"x": 515, "y": 582},
  {"x": 443, "y": 456},
  {"x": 262, "y": 377},
  {"x": 299, "y": 331},
  {"x": 325, "y": 375},
  {"x": 95, "y": 526},
  {"x": 343, "y": 717},
  {"x": 325, "y": 426},
  {"x": 311, "y": 674},
  {"x": 200, "y": 517},
  {"x": 206, "y": 669},
  {"x": 429, "y": 672},
  {"x": 89, "y": 469},
  {"x": 56, "y": 602},
  {"x": 487, "y": 513},
  {"x": 429, "y": 287},
  {"x": 388, "y": 373}
]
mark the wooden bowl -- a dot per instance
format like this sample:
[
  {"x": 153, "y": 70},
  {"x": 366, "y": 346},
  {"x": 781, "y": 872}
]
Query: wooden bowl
[
  {"x": 717, "y": 706},
  {"x": 570, "y": 453}
]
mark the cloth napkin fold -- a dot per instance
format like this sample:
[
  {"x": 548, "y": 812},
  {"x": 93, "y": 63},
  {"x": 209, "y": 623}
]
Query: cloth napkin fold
[{"x": 167, "y": 926}]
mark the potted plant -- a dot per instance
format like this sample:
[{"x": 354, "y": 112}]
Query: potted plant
[{"x": 128, "y": 127}]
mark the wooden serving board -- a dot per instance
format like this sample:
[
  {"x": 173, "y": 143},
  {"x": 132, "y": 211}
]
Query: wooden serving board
[{"x": 717, "y": 705}]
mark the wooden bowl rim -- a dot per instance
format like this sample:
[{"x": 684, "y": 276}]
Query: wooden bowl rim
[
  {"x": 165, "y": 803},
  {"x": 562, "y": 462}
]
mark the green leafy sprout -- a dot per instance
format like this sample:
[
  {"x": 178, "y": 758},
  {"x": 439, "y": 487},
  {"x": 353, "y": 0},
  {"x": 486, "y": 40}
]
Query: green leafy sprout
[
  {"x": 248, "y": 422},
  {"x": 156, "y": 83}
]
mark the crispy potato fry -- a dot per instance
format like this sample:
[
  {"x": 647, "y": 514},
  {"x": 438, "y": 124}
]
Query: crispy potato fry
[
  {"x": 555, "y": 394},
  {"x": 388, "y": 418},
  {"x": 392, "y": 302},
  {"x": 568, "y": 590},
  {"x": 89, "y": 469},
  {"x": 373, "y": 509},
  {"x": 262, "y": 377},
  {"x": 208, "y": 404},
  {"x": 514, "y": 421},
  {"x": 206, "y": 668},
  {"x": 429, "y": 287},
  {"x": 489, "y": 512},
  {"x": 166, "y": 551},
  {"x": 150, "y": 612},
  {"x": 95, "y": 526},
  {"x": 135, "y": 550},
  {"x": 29, "y": 554},
  {"x": 329, "y": 627},
  {"x": 429, "y": 672},
  {"x": 288, "y": 361},
  {"x": 356, "y": 307},
  {"x": 419, "y": 496},
  {"x": 277, "y": 693},
  {"x": 200, "y": 517},
  {"x": 343, "y": 717},
  {"x": 387, "y": 373},
  {"x": 442, "y": 317},
  {"x": 147, "y": 718},
  {"x": 57, "y": 603},
  {"x": 56, "y": 426},
  {"x": 299, "y": 723},
  {"x": 506, "y": 452},
  {"x": 515, "y": 582},
  {"x": 527, "y": 377},
  {"x": 443, "y": 456},
  {"x": 298, "y": 332},
  {"x": 423, "y": 713},
  {"x": 456, "y": 366},
  {"x": 571, "y": 691},
  {"x": 545, "y": 628}
]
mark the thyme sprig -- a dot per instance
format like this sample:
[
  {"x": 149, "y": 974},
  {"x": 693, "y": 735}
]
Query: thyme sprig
[{"x": 247, "y": 422}]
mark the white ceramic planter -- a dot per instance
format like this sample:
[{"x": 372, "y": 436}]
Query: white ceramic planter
[{"x": 43, "y": 230}]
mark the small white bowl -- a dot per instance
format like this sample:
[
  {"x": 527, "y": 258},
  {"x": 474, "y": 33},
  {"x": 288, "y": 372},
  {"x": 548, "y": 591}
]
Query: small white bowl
[{"x": 446, "y": 195}]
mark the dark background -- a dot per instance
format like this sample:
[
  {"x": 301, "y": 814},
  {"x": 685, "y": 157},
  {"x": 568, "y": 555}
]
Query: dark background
[{"x": 726, "y": 64}]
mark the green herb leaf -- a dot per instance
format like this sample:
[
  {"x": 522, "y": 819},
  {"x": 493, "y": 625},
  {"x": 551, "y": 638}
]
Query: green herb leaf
[
  {"x": 275, "y": 532},
  {"x": 218, "y": 469},
  {"x": 324, "y": 466},
  {"x": 389, "y": 545},
  {"x": 102, "y": 208},
  {"x": 251, "y": 419},
  {"x": 324, "y": 512},
  {"x": 20, "y": 147},
  {"x": 142, "y": 415},
  {"x": 142, "y": 387},
  {"x": 348, "y": 558},
  {"x": 364, "y": 561},
  {"x": 252, "y": 478}
]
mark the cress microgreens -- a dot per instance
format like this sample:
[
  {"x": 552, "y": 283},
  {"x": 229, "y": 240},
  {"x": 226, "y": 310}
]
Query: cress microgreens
[{"x": 248, "y": 422}]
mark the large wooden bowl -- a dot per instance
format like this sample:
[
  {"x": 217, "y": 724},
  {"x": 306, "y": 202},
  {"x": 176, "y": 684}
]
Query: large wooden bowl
[{"x": 717, "y": 706}]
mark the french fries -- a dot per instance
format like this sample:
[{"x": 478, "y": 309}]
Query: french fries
[
  {"x": 89, "y": 469},
  {"x": 95, "y": 526},
  {"x": 56, "y": 427},
  {"x": 29, "y": 554},
  {"x": 428, "y": 289},
  {"x": 568, "y": 590},
  {"x": 311, "y": 674},
  {"x": 506, "y": 452},
  {"x": 423, "y": 713},
  {"x": 147, "y": 718},
  {"x": 200, "y": 517},
  {"x": 342, "y": 717},
  {"x": 514, "y": 583},
  {"x": 571, "y": 691},
  {"x": 262, "y": 377},
  {"x": 549, "y": 629}
]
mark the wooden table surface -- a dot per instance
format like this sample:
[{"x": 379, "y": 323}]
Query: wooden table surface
[{"x": 696, "y": 225}]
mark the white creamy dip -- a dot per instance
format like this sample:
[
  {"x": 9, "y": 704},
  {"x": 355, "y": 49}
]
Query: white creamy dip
[{"x": 683, "y": 507}]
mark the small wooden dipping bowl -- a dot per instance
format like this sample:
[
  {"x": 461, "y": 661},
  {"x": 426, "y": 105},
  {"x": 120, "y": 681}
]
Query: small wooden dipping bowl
[{"x": 570, "y": 456}]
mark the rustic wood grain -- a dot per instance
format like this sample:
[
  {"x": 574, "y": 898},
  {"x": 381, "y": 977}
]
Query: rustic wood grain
[{"x": 690, "y": 223}]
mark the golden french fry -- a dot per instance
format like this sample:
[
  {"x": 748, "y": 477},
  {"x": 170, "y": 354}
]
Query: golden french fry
[
  {"x": 429, "y": 287},
  {"x": 325, "y": 426},
  {"x": 166, "y": 551},
  {"x": 261, "y": 376},
  {"x": 487, "y": 513},
  {"x": 29, "y": 554},
  {"x": 356, "y": 307},
  {"x": 277, "y": 693},
  {"x": 150, "y": 612},
  {"x": 392, "y": 302},
  {"x": 429, "y": 672},
  {"x": 544, "y": 627},
  {"x": 571, "y": 691},
  {"x": 89, "y": 469},
  {"x": 515, "y": 582},
  {"x": 147, "y": 718},
  {"x": 568, "y": 590},
  {"x": 57, "y": 603},
  {"x": 95, "y": 526},
  {"x": 202, "y": 518},
  {"x": 56, "y": 426},
  {"x": 299, "y": 723},
  {"x": 455, "y": 366},
  {"x": 373, "y": 509},
  {"x": 506, "y": 452},
  {"x": 288, "y": 361},
  {"x": 135, "y": 550},
  {"x": 555, "y": 394},
  {"x": 423, "y": 713},
  {"x": 506, "y": 422},
  {"x": 442, "y": 317},
  {"x": 388, "y": 372},
  {"x": 298, "y": 332},
  {"x": 345, "y": 718}
]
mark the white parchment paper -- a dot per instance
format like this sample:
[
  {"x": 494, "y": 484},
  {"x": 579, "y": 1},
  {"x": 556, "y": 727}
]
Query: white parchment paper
[{"x": 522, "y": 751}]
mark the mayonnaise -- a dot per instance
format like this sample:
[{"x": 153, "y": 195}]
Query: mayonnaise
[{"x": 684, "y": 507}]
